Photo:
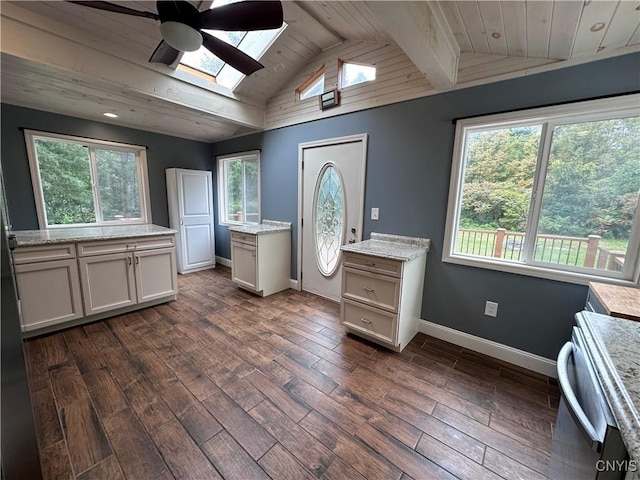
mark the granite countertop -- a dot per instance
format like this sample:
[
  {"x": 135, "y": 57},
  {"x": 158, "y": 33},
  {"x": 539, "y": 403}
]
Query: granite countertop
[
  {"x": 394, "y": 247},
  {"x": 267, "y": 226},
  {"x": 614, "y": 347},
  {"x": 50, "y": 236}
]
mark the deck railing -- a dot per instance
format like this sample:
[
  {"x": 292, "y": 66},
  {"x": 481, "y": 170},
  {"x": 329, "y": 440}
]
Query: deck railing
[{"x": 576, "y": 251}]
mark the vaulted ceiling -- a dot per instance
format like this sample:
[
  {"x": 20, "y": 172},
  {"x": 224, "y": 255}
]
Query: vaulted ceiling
[{"x": 73, "y": 60}]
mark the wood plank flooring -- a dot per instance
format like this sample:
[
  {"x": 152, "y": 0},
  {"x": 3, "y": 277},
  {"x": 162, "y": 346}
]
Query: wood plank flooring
[{"x": 224, "y": 384}]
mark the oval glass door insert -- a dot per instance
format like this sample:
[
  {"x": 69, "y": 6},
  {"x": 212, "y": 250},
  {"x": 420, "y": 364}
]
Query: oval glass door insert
[{"x": 329, "y": 219}]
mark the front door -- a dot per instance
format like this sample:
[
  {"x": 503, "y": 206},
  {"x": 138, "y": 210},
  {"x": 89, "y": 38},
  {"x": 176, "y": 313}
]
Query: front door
[{"x": 332, "y": 197}]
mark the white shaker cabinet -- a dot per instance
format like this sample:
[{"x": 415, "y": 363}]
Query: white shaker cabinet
[
  {"x": 117, "y": 274},
  {"x": 261, "y": 257},
  {"x": 190, "y": 197},
  {"x": 382, "y": 285},
  {"x": 48, "y": 285}
]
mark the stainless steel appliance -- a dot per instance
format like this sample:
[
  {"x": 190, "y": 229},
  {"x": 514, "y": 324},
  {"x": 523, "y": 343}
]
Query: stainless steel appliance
[{"x": 587, "y": 444}]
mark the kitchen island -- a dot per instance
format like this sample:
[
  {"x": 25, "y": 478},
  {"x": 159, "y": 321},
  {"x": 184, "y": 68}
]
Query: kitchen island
[
  {"x": 68, "y": 276},
  {"x": 614, "y": 347}
]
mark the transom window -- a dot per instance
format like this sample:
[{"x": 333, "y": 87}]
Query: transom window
[
  {"x": 80, "y": 181},
  {"x": 239, "y": 188},
  {"x": 550, "y": 192},
  {"x": 313, "y": 87},
  {"x": 355, "y": 73}
]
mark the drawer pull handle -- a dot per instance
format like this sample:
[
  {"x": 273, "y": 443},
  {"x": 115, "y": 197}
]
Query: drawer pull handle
[
  {"x": 370, "y": 264},
  {"x": 365, "y": 320},
  {"x": 368, "y": 290}
]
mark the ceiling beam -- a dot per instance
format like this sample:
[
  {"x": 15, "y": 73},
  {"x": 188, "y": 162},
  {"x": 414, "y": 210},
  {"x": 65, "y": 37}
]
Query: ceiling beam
[
  {"x": 422, "y": 32},
  {"x": 111, "y": 73}
]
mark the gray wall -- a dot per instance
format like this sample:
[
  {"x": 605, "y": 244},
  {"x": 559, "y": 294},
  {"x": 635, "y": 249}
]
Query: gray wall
[
  {"x": 408, "y": 168},
  {"x": 163, "y": 152}
]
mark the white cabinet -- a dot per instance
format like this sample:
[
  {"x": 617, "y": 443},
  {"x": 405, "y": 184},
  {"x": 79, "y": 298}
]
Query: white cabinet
[
  {"x": 382, "y": 298},
  {"x": 118, "y": 274},
  {"x": 48, "y": 285},
  {"x": 190, "y": 197},
  {"x": 261, "y": 262}
]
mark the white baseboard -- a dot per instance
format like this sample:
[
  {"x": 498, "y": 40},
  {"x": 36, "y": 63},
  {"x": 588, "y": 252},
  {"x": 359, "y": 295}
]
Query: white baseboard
[
  {"x": 223, "y": 261},
  {"x": 293, "y": 284},
  {"x": 497, "y": 350}
]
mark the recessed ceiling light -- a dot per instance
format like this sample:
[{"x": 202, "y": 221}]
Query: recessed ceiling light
[
  {"x": 495, "y": 35},
  {"x": 110, "y": 115},
  {"x": 596, "y": 27}
]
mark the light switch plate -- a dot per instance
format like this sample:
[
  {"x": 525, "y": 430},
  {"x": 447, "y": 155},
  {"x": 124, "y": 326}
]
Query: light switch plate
[{"x": 375, "y": 213}]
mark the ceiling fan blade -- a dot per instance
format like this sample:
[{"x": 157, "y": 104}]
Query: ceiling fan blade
[
  {"x": 230, "y": 54},
  {"x": 112, "y": 7},
  {"x": 243, "y": 16},
  {"x": 178, "y": 11},
  {"x": 164, "y": 53}
]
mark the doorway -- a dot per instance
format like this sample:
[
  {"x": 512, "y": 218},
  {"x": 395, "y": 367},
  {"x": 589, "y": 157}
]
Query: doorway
[{"x": 331, "y": 177}]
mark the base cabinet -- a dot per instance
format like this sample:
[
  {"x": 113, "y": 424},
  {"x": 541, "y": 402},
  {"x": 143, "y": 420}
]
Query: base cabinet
[
  {"x": 382, "y": 298},
  {"x": 49, "y": 293},
  {"x": 261, "y": 263},
  {"x": 58, "y": 284}
]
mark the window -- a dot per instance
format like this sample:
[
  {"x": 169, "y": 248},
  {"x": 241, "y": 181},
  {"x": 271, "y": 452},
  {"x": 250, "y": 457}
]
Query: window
[
  {"x": 355, "y": 73},
  {"x": 550, "y": 192},
  {"x": 313, "y": 87},
  {"x": 79, "y": 181},
  {"x": 239, "y": 188}
]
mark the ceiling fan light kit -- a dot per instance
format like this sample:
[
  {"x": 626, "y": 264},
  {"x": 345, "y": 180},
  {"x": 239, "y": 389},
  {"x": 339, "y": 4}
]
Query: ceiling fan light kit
[
  {"x": 182, "y": 27},
  {"x": 181, "y": 36}
]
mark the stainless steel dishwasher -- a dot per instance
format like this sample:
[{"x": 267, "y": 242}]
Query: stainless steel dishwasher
[{"x": 587, "y": 443}]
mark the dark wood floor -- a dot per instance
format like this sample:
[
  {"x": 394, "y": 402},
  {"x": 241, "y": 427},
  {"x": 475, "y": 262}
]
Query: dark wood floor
[{"x": 222, "y": 383}]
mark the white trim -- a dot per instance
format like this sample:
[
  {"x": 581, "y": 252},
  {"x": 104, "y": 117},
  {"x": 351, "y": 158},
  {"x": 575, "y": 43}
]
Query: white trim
[
  {"x": 294, "y": 284},
  {"x": 497, "y": 350},
  {"x": 223, "y": 261},
  {"x": 139, "y": 151},
  {"x": 362, "y": 138},
  {"x": 548, "y": 118},
  {"x": 222, "y": 196}
]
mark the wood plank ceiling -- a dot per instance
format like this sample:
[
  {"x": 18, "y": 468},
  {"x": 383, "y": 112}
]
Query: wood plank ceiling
[{"x": 487, "y": 33}]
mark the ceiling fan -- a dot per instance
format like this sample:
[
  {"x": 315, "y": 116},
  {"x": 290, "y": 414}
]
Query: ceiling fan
[{"x": 182, "y": 25}]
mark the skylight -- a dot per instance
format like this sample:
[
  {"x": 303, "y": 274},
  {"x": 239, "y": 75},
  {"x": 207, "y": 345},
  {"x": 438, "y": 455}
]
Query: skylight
[{"x": 253, "y": 44}]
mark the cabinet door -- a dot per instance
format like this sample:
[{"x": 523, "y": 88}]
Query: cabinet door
[
  {"x": 49, "y": 293},
  {"x": 108, "y": 282},
  {"x": 244, "y": 264},
  {"x": 156, "y": 275},
  {"x": 194, "y": 199}
]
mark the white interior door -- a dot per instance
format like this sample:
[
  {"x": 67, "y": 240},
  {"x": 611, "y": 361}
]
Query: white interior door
[
  {"x": 332, "y": 199},
  {"x": 195, "y": 196}
]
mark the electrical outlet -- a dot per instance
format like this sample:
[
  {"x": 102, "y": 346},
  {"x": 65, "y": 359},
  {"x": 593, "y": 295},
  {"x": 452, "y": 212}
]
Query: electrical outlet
[
  {"x": 375, "y": 213},
  {"x": 491, "y": 309}
]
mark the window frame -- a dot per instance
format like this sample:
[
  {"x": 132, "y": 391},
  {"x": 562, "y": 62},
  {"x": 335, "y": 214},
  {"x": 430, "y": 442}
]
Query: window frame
[
  {"x": 139, "y": 151},
  {"x": 341, "y": 66},
  {"x": 221, "y": 161},
  {"x": 309, "y": 83},
  {"x": 549, "y": 118}
]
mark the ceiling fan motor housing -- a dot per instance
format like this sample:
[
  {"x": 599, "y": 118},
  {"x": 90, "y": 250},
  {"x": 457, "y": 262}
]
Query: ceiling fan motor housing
[{"x": 179, "y": 25}]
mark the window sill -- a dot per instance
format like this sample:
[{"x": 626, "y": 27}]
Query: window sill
[{"x": 536, "y": 271}]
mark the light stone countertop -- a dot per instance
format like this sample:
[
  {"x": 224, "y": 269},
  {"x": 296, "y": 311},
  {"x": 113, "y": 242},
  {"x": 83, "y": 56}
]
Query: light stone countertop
[
  {"x": 266, "y": 227},
  {"x": 26, "y": 238},
  {"x": 394, "y": 247},
  {"x": 614, "y": 346}
]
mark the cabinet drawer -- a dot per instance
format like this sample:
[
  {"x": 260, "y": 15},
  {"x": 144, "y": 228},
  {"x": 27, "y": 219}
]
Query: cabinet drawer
[
  {"x": 247, "y": 238},
  {"x": 121, "y": 245},
  {"x": 373, "y": 264},
  {"x": 376, "y": 290},
  {"x": 44, "y": 253},
  {"x": 371, "y": 321}
]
